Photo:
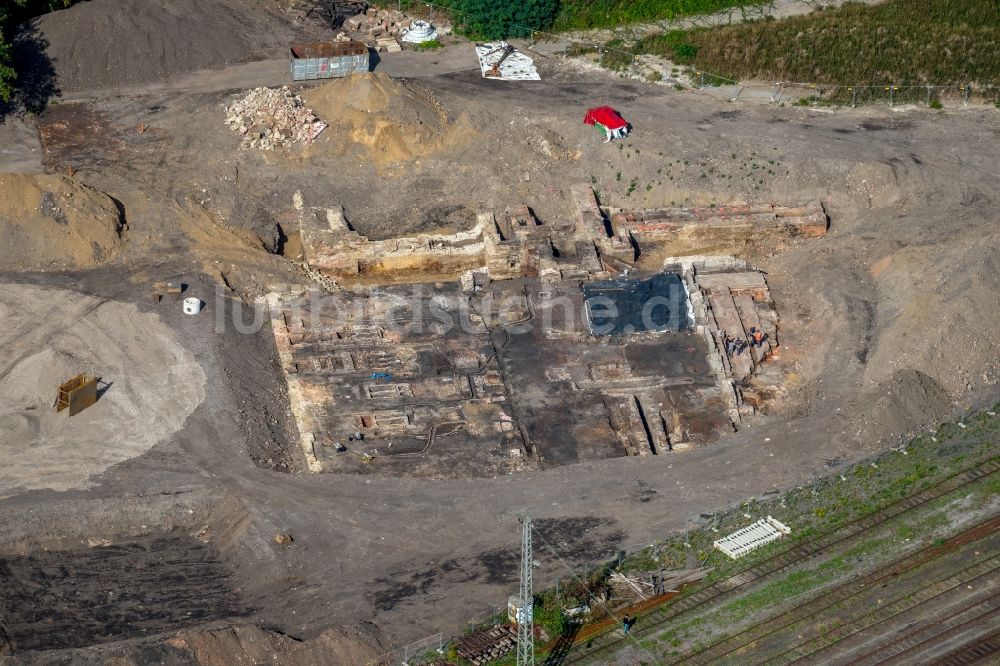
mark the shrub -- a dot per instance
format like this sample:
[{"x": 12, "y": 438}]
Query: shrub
[
  {"x": 7, "y": 74},
  {"x": 487, "y": 19},
  {"x": 616, "y": 56},
  {"x": 548, "y": 615},
  {"x": 685, "y": 53}
]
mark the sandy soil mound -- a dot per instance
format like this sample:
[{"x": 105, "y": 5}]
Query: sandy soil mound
[
  {"x": 392, "y": 120},
  {"x": 150, "y": 386},
  {"x": 334, "y": 646},
  {"x": 51, "y": 222},
  {"x": 106, "y": 43},
  {"x": 899, "y": 403},
  {"x": 939, "y": 310}
]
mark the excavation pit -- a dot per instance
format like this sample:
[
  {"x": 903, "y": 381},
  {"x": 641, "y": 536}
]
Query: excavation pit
[
  {"x": 505, "y": 376},
  {"x": 521, "y": 343},
  {"x": 622, "y": 306}
]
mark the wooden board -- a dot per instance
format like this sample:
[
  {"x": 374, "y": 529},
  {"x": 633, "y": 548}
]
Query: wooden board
[
  {"x": 723, "y": 281},
  {"x": 748, "y": 313},
  {"x": 77, "y": 394},
  {"x": 727, "y": 317}
]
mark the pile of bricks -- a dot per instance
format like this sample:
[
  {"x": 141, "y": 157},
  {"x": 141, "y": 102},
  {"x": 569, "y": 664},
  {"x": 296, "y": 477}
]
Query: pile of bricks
[
  {"x": 377, "y": 23},
  {"x": 267, "y": 118}
]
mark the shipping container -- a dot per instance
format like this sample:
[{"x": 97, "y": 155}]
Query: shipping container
[{"x": 328, "y": 60}]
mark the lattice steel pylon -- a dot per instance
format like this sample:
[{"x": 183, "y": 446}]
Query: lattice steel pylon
[{"x": 525, "y": 616}]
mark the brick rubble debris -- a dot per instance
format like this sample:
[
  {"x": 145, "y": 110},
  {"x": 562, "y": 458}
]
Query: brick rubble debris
[
  {"x": 382, "y": 28},
  {"x": 273, "y": 117}
]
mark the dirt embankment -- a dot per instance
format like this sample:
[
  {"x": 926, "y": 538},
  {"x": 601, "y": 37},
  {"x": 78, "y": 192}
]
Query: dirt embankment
[
  {"x": 347, "y": 646},
  {"x": 106, "y": 43},
  {"x": 53, "y": 222},
  {"x": 390, "y": 119}
]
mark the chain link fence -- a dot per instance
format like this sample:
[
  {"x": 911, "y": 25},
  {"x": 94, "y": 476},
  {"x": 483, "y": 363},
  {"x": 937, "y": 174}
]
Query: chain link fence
[
  {"x": 424, "y": 651},
  {"x": 932, "y": 96}
]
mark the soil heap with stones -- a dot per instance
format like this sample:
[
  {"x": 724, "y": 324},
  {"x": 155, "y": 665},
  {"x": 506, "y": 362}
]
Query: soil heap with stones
[
  {"x": 53, "y": 222},
  {"x": 390, "y": 119}
]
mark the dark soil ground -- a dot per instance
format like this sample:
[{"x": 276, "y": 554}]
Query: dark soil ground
[
  {"x": 104, "y": 44},
  {"x": 72, "y": 599}
]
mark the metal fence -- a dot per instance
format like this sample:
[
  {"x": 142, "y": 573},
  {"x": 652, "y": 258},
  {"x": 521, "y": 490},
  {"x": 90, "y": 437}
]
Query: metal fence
[
  {"x": 418, "y": 652},
  {"x": 890, "y": 94}
]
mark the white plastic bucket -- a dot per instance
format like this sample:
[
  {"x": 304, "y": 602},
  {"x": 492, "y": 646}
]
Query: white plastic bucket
[{"x": 192, "y": 306}]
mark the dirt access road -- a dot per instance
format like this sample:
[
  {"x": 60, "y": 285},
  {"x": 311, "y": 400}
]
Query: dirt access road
[{"x": 884, "y": 325}]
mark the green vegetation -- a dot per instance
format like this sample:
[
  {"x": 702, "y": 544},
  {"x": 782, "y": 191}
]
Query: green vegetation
[
  {"x": 900, "y": 42},
  {"x": 7, "y": 74},
  {"x": 13, "y": 12},
  {"x": 428, "y": 45},
  {"x": 486, "y": 19},
  {"x": 548, "y": 614},
  {"x": 580, "y": 14}
]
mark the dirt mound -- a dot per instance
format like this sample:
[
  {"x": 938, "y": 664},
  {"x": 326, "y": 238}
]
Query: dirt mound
[
  {"x": 107, "y": 43},
  {"x": 52, "y": 335},
  {"x": 54, "y": 222},
  {"x": 334, "y": 646},
  {"x": 901, "y": 403},
  {"x": 363, "y": 645},
  {"x": 393, "y": 120},
  {"x": 29, "y": 383},
  {"x": 938, "y": 310}
]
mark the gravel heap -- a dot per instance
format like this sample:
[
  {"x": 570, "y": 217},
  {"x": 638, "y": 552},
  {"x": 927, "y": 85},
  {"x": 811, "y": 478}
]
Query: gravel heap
[
  {"x": 267, "y": 118},
  {"x": 103, "y": 44}
]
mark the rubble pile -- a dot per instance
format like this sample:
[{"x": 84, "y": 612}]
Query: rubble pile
[
  {"x": 378, "y": 22},
  {"x": 268, "y": 118},
  {"x": 382, "y": 28}
]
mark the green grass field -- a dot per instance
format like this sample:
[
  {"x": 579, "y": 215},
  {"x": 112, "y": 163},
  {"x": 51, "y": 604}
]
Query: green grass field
[{"x": 901, "y": 42}]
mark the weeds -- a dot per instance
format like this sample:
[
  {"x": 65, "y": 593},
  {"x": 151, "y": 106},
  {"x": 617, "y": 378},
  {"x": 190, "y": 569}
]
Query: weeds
[
  {"x": 944, "y": 42},
  {"x": 429, "y": 45},
  {"x": 575, "y": 14}
]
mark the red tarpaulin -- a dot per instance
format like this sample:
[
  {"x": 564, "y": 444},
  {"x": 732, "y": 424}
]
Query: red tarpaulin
[{"x": 606, "y": 116}]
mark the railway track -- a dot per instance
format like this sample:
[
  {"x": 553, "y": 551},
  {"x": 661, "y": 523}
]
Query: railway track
[
  {"x": 977, "y": 611},
  {"x": 851, "y": 589},
  {"x": 737, "y": 583},
  {"x": 972, "y": 618},
  {"x": 979, "y": 652}
]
